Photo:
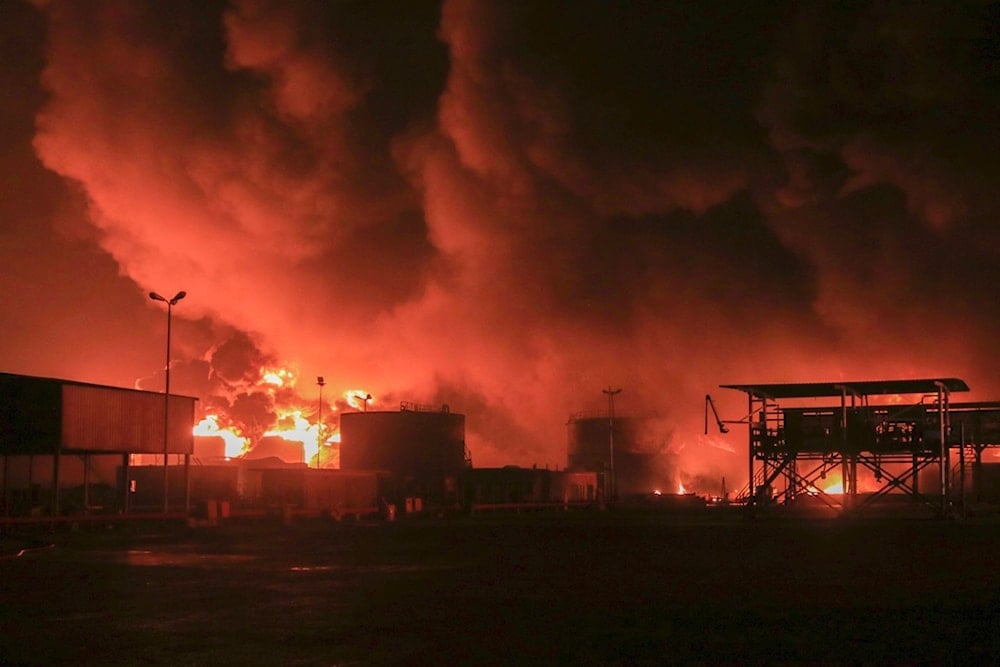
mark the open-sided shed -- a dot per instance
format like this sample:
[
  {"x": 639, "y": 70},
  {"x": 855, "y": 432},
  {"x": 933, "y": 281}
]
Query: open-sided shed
[
  {"x": 54, "y": 419},
  {"x": 893, "y": 429}
]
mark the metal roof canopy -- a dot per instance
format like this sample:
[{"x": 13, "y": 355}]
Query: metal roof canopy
[
  {"x": 47, "y": 416},
  {"x": 858, "y": 388}
]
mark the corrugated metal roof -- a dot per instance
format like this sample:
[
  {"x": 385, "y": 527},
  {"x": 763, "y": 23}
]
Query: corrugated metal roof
[
  {"x": 47, "y": 415},
  {"x": 857, "y": 388}
]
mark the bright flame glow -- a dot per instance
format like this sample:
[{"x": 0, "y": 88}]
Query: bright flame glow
[
  {"x": 277, "y": 377},
  {"x": 833, "y": 485},
  {"x": 680, "y": 489},
  {"x": 235, "y": 445},
  {"x": 356, "y": 398},
  {"x": 299, "y": 431},
  {"x": 291, "y": 420}
]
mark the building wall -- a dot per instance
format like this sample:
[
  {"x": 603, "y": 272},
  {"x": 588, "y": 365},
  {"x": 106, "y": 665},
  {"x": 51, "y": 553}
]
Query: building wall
[
  {"x": 515, "y": 485},
  {"x": 45, "y": 415}
]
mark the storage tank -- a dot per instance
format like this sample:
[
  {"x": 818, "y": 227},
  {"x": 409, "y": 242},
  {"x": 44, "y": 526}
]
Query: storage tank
[
  {"x": 641, "y": 464},
  {"x": 417, "y": 440}
]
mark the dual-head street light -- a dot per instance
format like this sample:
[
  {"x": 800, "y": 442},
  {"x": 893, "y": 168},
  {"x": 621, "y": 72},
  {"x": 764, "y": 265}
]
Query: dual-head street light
[
  {"x": 365, "y": 398},
  {"x": 166, "y": 392},
  {"x": 319, "y": 427}
]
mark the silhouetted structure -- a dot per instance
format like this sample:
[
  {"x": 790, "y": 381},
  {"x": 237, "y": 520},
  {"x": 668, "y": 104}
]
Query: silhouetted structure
[
  {"x": 421, "y": 447},
  {"x": 641, "y": 464},
  {"x": 792, "y": 448},
  {"x": 416, "y": 440},
  {"x": 516, "y": 487},
  {"x": 62, "y": 421}
]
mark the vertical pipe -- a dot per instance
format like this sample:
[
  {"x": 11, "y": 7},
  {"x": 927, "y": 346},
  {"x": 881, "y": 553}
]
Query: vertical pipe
[
  {"x": 854, "y": 460},
  {"x": 977, "y": 472},
  {"x": 86, "y": 483},
  {"x": 961, "y": 470},
  {"x": 126, "y": 484},
  {"x": 55, "y": 483},
  {"x": 942, "y": 429},
  {"x": 6, "y": 488},
  {"x": 844, "y": 472},
  {"x": 751, "y": 491},
  {"x": 187, "y": 484}
]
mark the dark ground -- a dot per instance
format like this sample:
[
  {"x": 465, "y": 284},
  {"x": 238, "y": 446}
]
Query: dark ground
[{"x": 577, "y": 588}]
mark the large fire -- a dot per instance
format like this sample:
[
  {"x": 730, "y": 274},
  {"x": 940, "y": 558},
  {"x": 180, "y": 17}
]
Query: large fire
[
  {"x": 833, "y": 485},
  {"x": 293, "y": 426},
  {"x": 292, "y": 418},
  {"x": 278, "y": 377},
  {"x": 236, "y": 445}
]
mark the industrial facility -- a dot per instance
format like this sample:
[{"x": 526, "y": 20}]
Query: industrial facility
[
  {"x": 69, "y": 450},
  {"x": 885, "y": 440}
]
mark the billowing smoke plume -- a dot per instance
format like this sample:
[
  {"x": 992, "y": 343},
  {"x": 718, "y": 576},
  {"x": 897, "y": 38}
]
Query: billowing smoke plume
[{"x": 508, "y": 207}]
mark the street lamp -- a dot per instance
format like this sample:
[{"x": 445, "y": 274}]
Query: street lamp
[
  {"x": 166, "y": 392},
  {"x": 365, "y": 398},
  {"x": 611, "y": 439},
  {"x": 319, "y": 429}
]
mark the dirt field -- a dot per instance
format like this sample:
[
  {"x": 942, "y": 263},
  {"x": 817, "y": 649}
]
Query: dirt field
[{"x": 597, "y": 588}]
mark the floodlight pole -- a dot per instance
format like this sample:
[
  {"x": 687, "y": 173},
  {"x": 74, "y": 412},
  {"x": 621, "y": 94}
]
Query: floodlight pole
[
  {"x": 166, "y": 394},
  {"x": 612, "y": 482},
  {"x": 319, "y": 428}
]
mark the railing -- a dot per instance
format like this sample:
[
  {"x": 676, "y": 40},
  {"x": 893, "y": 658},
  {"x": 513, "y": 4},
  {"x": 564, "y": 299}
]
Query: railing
[{"x": 407, "y": 406}]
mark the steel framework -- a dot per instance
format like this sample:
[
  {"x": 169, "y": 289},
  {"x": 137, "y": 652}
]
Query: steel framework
[{"x": 893, "y": 429}]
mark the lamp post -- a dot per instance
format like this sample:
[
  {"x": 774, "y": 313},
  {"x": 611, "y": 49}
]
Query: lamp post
[
  {"x": 319, "y": 428},
  {"x": 611, "y": 440},
  {"x": 365, "y": 398},
  {"x": 166, "y": 392}
]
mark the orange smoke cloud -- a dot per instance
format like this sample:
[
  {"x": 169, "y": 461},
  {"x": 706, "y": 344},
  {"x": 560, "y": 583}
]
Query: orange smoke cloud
[{"x": 507, "y": 207}]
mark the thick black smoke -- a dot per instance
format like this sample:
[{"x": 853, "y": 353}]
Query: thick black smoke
[{"x": 510, "y": 206}]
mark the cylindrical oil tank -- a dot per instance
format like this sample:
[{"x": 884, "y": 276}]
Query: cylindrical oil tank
[
  {"x": 641, "y": 464},
  {"x": 409, "y": 442}
]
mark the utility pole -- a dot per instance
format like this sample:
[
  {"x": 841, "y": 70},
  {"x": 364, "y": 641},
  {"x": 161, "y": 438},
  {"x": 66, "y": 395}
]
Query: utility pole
[
  {"x": 166, "y": 395},
  {"x": 612, "y": 482},
  {"x": 319, "y": 427}
]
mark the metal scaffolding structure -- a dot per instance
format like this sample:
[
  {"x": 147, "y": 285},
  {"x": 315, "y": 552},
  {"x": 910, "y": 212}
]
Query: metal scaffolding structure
[{"x": 891, "y": 433}]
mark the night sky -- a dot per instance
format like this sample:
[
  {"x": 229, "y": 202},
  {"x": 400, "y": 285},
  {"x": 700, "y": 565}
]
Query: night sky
[{"x": 503, "y": 206}]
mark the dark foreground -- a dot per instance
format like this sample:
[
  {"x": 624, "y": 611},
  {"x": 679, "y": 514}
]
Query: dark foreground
[{"x": 549, "y": 589}]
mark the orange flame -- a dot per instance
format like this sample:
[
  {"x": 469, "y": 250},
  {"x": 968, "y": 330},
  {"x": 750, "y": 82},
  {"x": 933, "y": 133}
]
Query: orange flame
[
  {"x": 298, "y": 430},
  {"x": 235, "y": 444},
  {"x": 277, "y": 377},
  {"x": 832, "y": 485},
  {"x": 292, "y": 422},
  {"x": 359, "y": 399}
]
